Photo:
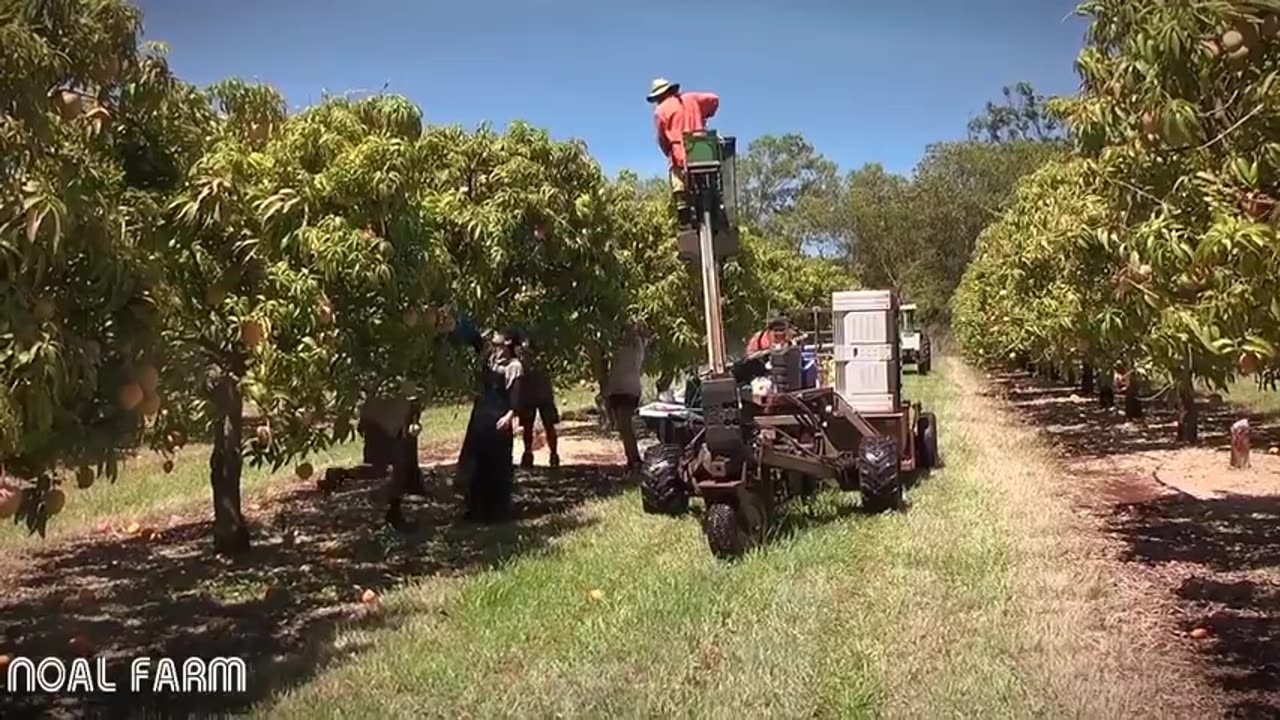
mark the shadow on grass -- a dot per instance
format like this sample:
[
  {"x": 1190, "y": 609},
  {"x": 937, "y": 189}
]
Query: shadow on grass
[
  {"x": 169, "y": 596},
  {"x": 1219, "y": 557}
]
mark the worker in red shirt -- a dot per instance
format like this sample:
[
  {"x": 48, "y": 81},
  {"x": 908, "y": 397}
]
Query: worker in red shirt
[
  {"x": 676, "y": 113},
  {"x": 776, "y": 333}
]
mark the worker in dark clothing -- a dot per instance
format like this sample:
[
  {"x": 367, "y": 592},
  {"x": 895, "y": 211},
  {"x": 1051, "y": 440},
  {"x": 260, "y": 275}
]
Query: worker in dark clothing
[
  {"x": 537, "y": 400},
  {"x": 485, "y": 469}
]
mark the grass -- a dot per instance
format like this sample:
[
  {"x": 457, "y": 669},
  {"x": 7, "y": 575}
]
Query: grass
[
  {"x": 143, "y": 490},
  {"x": 975, "y": 603},
  {"x": 1247, "y": 394}
]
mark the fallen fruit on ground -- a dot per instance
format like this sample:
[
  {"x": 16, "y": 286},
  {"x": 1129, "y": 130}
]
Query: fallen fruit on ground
[
  {"x": 597, "y": 594},
  {"x": 1199, "y": 633},
  {"x": 55, "y": 502},
  {"x": 305, "y": 470},
  {"x": 167, "y": 467},
  {"x": 133, "y": 528},
  {"x": 368, "y": 596}
]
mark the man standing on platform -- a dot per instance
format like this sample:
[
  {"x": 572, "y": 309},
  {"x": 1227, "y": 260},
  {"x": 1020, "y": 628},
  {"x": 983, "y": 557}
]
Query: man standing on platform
[{"x": 676, "y": 113}]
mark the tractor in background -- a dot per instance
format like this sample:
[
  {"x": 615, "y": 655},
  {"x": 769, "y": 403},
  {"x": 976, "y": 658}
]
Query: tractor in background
[{"x": 916, "y": 348}]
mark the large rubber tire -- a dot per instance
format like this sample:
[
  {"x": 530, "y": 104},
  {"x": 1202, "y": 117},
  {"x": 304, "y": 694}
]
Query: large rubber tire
[
  {"x": 726, "y": 534},
  {"x": 662, "y": 491},
  {"x": 879, "y": 478},
  {"x": 927, "y": 441}
]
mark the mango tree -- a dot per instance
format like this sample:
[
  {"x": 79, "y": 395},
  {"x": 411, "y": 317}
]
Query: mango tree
[
  {"x": 301, "y": 267},
  {"x": 1177, "y": 109},
  {"x": 529, "y": 229},
  {"x": 89, "y": 130}
]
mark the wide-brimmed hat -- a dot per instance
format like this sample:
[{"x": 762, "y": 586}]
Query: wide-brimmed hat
[{"x": 659, "y": 87}]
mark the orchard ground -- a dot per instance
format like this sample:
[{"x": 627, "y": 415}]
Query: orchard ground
[{"x": 1051, "y": 568}]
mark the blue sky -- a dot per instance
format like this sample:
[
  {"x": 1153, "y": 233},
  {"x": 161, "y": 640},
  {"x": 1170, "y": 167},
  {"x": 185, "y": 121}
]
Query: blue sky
[{"x": 863, "y": 81}]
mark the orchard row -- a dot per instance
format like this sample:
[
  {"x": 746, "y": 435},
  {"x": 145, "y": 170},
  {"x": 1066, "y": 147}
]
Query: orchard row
[
  {"x": 171, "y": 255},
  {"x": 1153, "y": 245}
]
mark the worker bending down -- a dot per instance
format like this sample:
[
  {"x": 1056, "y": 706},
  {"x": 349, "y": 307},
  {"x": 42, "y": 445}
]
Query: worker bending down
[{"x": 676, "y": 113}]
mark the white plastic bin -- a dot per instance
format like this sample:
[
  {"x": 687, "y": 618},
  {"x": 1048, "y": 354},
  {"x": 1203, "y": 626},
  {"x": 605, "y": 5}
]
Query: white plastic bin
[{"x": 863, "y": 317}]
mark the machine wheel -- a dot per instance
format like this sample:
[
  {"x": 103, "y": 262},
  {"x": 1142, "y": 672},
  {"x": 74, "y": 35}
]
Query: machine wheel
[
  {"x": 927, "y": 441},
  {"x": 661, "y": 489},
  {"x": 727, "y": 534},
  {"x": 878, "y": 474}
]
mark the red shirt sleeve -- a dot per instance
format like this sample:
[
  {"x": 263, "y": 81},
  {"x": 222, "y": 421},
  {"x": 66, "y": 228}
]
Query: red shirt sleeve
[{"x": 707, "y": 102}]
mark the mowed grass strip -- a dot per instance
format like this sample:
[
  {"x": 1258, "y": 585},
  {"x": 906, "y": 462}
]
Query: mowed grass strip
[
  {"x": 143, "y": 489},
  {"x": 934, "y": 613}
]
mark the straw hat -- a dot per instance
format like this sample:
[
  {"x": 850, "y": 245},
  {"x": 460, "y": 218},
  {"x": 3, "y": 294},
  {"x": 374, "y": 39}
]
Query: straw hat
[{"x": 660, "y": 87}]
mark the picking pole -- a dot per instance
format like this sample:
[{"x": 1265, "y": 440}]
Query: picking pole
[{"x": 711, "y": 296}]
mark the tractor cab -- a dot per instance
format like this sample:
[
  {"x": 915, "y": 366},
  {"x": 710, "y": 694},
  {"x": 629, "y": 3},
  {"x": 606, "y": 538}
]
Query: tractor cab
[{"x": 914, "y": 342}]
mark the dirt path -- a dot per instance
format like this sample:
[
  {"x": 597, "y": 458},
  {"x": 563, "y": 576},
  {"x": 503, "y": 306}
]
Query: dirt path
[
  {"x": 1197, "y": 544},
  {"x": 161, "y": 591}
]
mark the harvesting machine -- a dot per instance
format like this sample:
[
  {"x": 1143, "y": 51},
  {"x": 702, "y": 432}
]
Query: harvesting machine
[{"x": 753, "y": 433}]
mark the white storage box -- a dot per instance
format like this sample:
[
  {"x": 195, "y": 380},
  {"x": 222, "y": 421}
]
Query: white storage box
[
  {"x": 882, "y": 352},
  {"x": 863, "y": 317},
  {"x": 862, "y": 300},
  {"x": 881, "y": 403},
  {"x": 855, "y": 377}
]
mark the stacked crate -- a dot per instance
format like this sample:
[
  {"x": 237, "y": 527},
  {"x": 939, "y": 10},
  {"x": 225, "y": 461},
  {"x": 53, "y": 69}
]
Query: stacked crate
[{"x": 865, "y": 334}]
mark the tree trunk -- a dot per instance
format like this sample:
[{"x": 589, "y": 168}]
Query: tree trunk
[
  {"x": 230, "y": 536},
  {"x": 1188, "y": 413},
  {"x": 1086, "y": 379},
  {"x": 600, "y": 372},
  {"x": 1107, "y": 393},
  {"x": 1052, "y": 373},
  {"x": 1240, "y": 444},
  {"x": 1132, "y": 399},
  {"x": 1071, "y": 374}
]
